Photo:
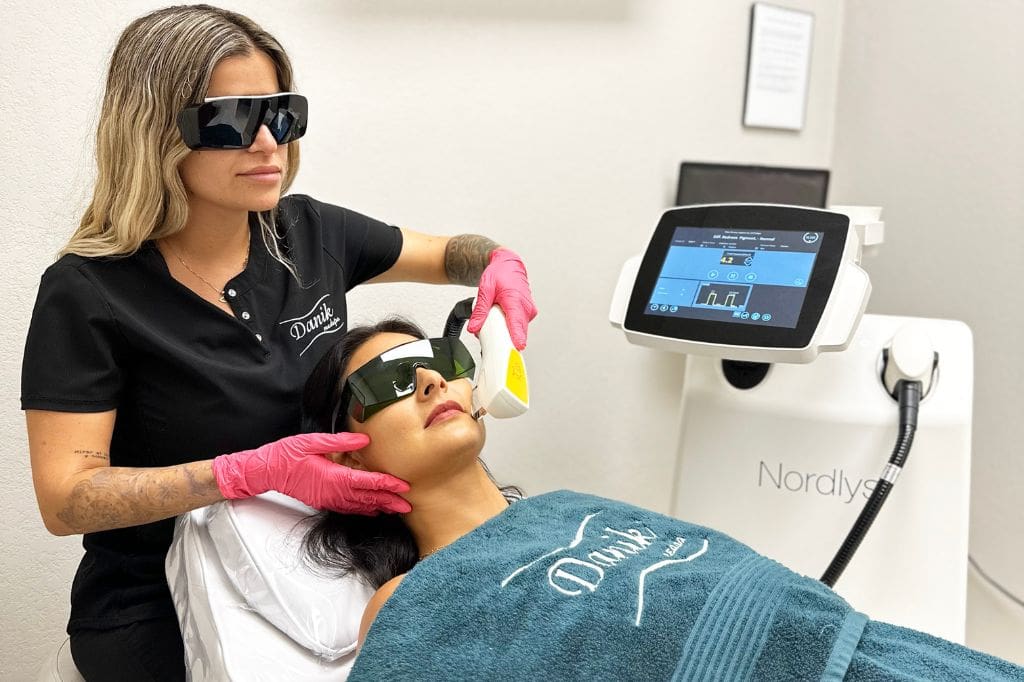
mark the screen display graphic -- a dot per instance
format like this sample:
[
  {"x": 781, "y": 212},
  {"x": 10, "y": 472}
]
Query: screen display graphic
[{"x": 755, "y": 277}]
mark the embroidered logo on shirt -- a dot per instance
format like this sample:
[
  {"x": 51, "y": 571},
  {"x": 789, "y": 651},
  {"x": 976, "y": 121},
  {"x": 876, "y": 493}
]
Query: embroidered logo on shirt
[
  {"x": 583, "y": 563},
  {"x": 319, "y": 321}
]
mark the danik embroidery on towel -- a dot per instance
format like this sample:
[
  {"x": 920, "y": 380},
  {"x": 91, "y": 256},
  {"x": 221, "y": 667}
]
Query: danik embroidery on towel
[
  {"x": 320, "y": 320},
  {"x": 586, "y": 566},
  {"x": 673, "y": 547}
]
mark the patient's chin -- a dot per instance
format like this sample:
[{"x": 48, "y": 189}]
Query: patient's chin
[
  {"x": 461, "y": 436},
  {"x": 459, "y": 440}
]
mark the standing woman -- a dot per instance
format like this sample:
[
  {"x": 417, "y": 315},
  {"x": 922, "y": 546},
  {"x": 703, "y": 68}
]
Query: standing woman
[{"x": 186, "y": 312}]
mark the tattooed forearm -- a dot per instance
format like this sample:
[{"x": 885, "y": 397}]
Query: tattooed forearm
[
  {"x": 465, "y": 258},
  {"x": 117, "y": 497},
  {"x": 93, "y": 454}
]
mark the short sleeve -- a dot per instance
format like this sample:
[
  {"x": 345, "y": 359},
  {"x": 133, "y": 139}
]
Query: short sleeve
[
  {"x": 364, "y": 247},
  {"x": 70, "y": 362}
]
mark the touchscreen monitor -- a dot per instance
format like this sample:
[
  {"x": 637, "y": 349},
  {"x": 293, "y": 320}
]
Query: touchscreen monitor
[{"x": 738, "y": 274}]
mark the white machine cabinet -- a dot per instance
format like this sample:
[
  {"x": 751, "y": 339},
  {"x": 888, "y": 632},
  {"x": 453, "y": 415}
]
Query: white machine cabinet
[{"x": 783, "y": 467}]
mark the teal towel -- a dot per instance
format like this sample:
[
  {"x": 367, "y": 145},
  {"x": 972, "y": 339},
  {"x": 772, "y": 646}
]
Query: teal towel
[
  {"x": 567, "y": 586},
  {"x": 889, "y": 652}
]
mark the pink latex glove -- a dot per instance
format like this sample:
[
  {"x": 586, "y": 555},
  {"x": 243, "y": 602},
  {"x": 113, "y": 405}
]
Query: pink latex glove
[
  {"x": 296, "y": 466},
  {"x": 504, "y": 282}
]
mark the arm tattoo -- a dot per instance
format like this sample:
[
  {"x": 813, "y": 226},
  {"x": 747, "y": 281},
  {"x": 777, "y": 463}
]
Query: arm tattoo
[
  {"x": 93, "y": 454},
  {"x": 465, "y": 258},
  {"x": 117, "y": 497}
]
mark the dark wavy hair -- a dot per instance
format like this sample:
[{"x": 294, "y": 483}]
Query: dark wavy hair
[{"x": 376, "y": 548}]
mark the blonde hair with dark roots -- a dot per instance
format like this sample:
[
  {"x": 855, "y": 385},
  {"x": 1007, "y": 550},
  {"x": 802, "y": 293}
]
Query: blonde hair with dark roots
[{"x": 162, "y": 63}]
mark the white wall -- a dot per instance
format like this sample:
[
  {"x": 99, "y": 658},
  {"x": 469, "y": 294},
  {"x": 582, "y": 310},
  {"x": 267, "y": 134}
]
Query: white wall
[
  {"x": 553, "y": 126},
  {"x": 928, "y": 125}
]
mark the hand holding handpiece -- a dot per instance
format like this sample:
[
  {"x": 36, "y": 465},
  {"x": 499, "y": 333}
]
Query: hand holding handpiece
[
  {"x": 297, "y": 466},
  {"x": 504, "y": 283}
]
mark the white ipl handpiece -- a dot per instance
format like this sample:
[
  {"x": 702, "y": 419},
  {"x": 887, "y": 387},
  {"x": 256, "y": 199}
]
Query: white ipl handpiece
[{"x": 502, "y": 389}]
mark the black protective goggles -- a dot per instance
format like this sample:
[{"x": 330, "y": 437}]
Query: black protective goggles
[
  {"x": 391, "y": 376},
  {"x": 233, "y": 122}
]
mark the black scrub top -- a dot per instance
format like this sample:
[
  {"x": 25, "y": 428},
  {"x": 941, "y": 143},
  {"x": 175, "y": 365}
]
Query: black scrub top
[{"x": 188, "y": 381}]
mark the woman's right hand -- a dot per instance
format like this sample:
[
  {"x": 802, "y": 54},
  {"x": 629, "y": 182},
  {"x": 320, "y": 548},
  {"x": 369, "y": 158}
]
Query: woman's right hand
[
  {"x": 80, "y": 492},
  {"x": 297, "y": 467}
]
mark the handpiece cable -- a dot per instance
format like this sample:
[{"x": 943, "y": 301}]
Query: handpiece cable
[
  {"x": 462, "y": 311},
  {"x": 909, "y": 396}
]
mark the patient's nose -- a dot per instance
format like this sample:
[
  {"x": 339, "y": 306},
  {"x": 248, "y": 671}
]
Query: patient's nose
[{"x": 427, "y": 381}]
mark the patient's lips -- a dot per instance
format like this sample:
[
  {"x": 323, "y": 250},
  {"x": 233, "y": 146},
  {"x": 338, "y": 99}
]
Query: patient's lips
[{"x": 443, "y": 412}]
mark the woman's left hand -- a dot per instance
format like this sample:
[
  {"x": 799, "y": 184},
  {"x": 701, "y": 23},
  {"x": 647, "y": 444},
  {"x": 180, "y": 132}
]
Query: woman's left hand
[{"x": 504, "y": 282}]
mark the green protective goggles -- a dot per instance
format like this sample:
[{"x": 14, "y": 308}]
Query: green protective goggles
[{"x": 391, "y": 376}]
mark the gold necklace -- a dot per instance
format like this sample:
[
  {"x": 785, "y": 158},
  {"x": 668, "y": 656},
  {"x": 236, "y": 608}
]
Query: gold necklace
[
  {"x": 219, "y": 292},
  {"x": 436, "y": 549}
]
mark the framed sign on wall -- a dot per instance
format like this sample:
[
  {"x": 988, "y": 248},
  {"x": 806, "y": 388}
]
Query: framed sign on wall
[{"x": 778, "y": 67}]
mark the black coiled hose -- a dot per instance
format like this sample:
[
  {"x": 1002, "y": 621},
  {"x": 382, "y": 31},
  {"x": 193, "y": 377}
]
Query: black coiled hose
[
  {"x": 462, "y": 311},
  {"x": 909, "y": 396}
]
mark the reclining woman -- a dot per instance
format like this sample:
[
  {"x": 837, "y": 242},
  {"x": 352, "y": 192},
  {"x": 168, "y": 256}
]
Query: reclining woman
[{"x": 561, "y": 585}]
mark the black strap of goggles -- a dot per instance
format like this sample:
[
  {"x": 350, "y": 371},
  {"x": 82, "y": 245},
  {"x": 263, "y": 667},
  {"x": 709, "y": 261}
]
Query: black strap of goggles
[{"x": 462, "y": 311}]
